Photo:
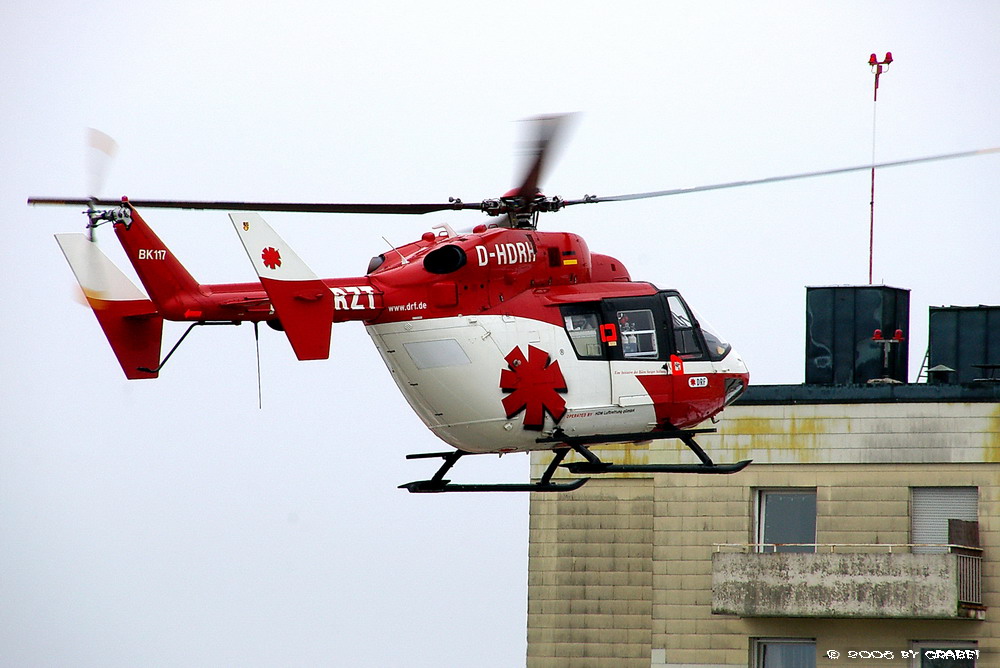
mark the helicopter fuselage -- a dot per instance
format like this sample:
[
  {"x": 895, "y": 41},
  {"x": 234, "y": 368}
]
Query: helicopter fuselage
[
  {"x": 501, "y": 339},
  {"x": 509, "y": 339}
]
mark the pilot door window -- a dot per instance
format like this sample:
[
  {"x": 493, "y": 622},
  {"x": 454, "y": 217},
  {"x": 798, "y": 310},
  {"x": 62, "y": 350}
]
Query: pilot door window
[
  {"x": 686, "y": 343},
  {"x": 584, "y": 335},
  {"x": 637, "y": 330}
]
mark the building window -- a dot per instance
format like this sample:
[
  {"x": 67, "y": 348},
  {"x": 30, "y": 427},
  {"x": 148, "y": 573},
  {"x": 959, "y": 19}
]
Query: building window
[
  {"x": 930, "y": 510},
  {"x": 943, "y": 654},
  {"x": 786, "y": 520},
  {"x": 784, "y": 653}
]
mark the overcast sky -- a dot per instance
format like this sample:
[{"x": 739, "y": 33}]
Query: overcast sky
[{"x": 172, "y": 522}]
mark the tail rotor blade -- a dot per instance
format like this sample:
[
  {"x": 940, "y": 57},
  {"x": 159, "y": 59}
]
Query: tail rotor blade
[{"x": 101, "y": 150}]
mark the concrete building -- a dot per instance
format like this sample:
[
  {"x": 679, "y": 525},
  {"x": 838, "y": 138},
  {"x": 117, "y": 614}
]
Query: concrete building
[{"x": 866, "y": 532}]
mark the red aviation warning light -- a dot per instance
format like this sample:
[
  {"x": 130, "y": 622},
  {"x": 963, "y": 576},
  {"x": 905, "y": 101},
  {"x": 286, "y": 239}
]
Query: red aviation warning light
[{"x": 878, "y": 65}]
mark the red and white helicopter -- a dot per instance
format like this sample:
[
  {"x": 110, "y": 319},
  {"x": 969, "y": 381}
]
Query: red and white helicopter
[{"x": 502, "y": 339}]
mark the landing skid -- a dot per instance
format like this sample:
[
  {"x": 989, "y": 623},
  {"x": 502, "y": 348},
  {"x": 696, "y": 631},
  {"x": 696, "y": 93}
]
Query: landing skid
[{"x": 593, "y": 465}]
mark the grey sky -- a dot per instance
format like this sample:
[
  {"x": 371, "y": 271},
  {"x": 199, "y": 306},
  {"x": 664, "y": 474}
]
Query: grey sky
[{"x": 171, "y": 522}]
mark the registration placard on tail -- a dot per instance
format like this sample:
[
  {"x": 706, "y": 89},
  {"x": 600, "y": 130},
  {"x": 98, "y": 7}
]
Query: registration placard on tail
[
  {"x": 301, "y": 301},
  {"x": 129, "y": 319}
]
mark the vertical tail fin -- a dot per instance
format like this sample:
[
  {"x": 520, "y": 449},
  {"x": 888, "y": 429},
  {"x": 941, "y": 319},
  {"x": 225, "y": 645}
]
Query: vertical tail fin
[
  {"x": 174, "y": 291},
  {"x": 129, "y": 319},
  {"x": 302, "y": 302}
]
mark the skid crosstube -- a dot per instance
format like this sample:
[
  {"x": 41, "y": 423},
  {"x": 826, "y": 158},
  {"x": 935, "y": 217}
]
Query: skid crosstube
[
  {"x": 593, "y": 465},
  {"x": 439, "y": 484}
]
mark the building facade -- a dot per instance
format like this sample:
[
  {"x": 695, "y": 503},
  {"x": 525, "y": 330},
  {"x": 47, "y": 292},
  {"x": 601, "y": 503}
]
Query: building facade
[{"x": 866, "y": 532}]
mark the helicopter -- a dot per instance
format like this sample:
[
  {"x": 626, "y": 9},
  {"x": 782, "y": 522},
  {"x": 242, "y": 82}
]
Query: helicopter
[{"x": 503, "y": 338}]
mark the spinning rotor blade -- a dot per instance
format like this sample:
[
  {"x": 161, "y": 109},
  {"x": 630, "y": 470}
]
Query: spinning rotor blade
[
  {"x": 298, "y": 207},
  {"x": 591, "y": 199},
  {"x": 101, "y": 150},
  {"x": 547, "y": 129},
  {"x": 521, "y": 202}
]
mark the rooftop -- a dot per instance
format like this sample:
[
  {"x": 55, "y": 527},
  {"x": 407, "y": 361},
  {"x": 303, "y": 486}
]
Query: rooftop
[{"x": 763, "y": 395}]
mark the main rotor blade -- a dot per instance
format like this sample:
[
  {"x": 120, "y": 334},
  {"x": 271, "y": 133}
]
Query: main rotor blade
[
  {"x": 456, "y": 204},
  {"x": 591, "y": 199},
  {"x": 547, "y": 131},
  {"x": 298, "y": 207}
]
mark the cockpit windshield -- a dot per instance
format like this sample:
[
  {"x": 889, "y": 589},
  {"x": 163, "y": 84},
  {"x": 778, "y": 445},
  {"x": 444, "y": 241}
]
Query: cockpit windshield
[
  {"x": 686, "y": 340},
  {"x": 717, "y": 346}
]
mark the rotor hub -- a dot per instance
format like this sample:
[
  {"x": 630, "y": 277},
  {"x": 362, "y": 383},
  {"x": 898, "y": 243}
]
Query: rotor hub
[{"x": 119, "y": 214}]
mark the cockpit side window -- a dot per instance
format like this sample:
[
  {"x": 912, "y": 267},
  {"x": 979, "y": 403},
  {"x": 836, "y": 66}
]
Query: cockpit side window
[
  {"x": 582, "y": 326},
  {"x": 687, "y": 343},
  {"x": 637, "y": 329}
]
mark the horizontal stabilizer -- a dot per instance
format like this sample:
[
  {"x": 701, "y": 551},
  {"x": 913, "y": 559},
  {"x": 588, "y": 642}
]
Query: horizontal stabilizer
[
  {"x": 129, "y": 319},
  {"x": 302, "y": 302}
]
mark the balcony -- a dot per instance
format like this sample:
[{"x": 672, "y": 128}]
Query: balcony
[{"x": 848, "y": 581}]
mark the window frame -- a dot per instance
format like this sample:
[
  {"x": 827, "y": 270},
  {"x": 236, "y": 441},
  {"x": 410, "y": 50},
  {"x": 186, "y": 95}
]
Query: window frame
[
  {"x": 952, "y": 508},
  {"x": 760, "y": 521},
  {"x": 921, "y": 645},
  {"x": 759, "y": 645},
  {"x": 653, "y": 332},
  {"x": 697, "y": 336},
  {"x": 612, "y": 306}
]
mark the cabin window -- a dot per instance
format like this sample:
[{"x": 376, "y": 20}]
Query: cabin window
[
  {"x": 637, "y": 330},
  {"x": 583, "y": 332},
  {"x": 436, "y": 354}
]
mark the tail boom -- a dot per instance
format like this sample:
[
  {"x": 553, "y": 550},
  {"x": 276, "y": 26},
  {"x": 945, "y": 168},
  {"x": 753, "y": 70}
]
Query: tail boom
[
  {"x": 289, "y": 296},
  {"x": 176, "y": 294}
]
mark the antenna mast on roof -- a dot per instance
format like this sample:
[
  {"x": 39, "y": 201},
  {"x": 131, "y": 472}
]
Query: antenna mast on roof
[{"x": 876, "y": 66}]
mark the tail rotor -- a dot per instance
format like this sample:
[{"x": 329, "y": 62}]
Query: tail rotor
[{"x": 100, "y": 153}]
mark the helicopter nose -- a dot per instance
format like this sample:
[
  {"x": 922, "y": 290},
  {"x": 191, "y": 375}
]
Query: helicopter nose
[{"x": 737, "y": 376}]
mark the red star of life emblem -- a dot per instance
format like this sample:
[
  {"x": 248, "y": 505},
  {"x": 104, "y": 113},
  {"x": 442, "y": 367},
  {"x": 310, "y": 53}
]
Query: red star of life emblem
[
  {"x": 271, "y": 257},
  {"x": 533, "y": 385}
]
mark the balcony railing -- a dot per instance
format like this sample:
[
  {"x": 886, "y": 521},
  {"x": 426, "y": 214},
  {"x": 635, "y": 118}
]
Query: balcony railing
[
  {"x": 902, "y": 580},
  {"x": 845, "y": 547},
  {"x": 970, "y": 579}
]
